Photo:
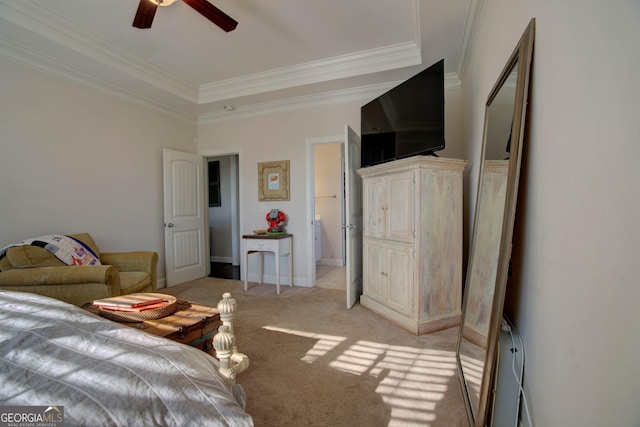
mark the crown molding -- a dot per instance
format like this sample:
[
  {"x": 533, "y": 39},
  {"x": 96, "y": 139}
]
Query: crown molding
[
  {"x": 47, "y": 64},
  {"x": 357, "y": 94},
  {"x": 295, "y": 103},
  {"x": 365, "y": 62},
  {"x": 386, "y": 58},
  {"x": 36, "y": 18},
  {"x": 470, "y": 34}
]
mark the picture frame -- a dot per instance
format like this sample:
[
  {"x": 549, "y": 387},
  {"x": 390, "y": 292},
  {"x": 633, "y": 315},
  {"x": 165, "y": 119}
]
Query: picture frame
[{"x": 273, "y": 180}]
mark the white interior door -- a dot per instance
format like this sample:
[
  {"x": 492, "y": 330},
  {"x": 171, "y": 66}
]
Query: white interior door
[
  {"x": 353, "y": 216},
  {"x": 184, "y": 216}
]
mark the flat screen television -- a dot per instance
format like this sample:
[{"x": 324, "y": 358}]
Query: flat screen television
[{"x": 407, "y": 120}]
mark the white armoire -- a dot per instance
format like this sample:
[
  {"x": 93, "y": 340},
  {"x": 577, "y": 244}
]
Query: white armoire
[{"x": 412, "y": 241}]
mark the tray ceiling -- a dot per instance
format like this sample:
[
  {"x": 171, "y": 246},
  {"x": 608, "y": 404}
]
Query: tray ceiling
[{"x": 283, "y": 51}]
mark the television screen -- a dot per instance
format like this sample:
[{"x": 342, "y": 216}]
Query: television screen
[{"x": 405, "y": 121}]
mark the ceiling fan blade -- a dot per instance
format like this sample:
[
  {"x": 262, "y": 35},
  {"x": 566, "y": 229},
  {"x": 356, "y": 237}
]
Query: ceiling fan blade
[
  {"x": 144, "y": 15},
  {"x": 213, "y": 14}
]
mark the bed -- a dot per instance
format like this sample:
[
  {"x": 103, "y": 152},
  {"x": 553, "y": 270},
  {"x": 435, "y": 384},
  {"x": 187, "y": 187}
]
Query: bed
[{"x": 103, "y": 374}]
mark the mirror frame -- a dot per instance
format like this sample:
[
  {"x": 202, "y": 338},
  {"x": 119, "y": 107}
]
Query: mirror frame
[{"x": 522, "y": 56}]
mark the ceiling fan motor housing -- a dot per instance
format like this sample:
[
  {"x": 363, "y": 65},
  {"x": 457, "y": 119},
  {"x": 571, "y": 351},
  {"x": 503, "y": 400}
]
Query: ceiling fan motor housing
[{"x": 162, "y": 2}]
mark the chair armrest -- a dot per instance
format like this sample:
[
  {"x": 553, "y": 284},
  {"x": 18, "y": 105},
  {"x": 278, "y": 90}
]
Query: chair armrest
[
  {"x": 146, "y": 261},
  {"x": 63, "y": 275},
  {"x": 131, "y": 261},
  {"x": 76, "y": 285}
]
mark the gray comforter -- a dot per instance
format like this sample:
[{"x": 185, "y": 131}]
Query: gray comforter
[{"x": 104, "y": 374}]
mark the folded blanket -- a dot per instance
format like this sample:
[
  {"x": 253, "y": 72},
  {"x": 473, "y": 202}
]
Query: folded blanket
[{"x": 65, "y": 248}]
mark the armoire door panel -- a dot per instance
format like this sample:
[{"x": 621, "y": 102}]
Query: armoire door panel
[
  {"x": 374, "y": 194},
  {"x": 374, "y": 272},
  {"x": 401, "y": 212},
  {"x": 401, "y": 266}
]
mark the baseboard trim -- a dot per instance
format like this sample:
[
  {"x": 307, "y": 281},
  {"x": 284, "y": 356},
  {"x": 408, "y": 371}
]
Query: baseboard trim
[
  {"x": 335, "y": 262},
  {"x": 270, "y": 279},
  {"x": 416, "y": 327}
]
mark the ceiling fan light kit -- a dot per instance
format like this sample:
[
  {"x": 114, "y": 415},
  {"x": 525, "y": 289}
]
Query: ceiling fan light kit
[
  {"x": 147, "y": 10},
  {"x": 163, "y": 2}
]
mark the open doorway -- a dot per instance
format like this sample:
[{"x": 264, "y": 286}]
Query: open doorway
[
  {"x": 329, "y": 233},
  {"x": 224, "y": 216}
]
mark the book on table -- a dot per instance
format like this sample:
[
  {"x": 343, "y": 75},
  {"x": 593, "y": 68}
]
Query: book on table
[
  {"x": 129, "y": 301},
  {"x": 160, "y": 304}
]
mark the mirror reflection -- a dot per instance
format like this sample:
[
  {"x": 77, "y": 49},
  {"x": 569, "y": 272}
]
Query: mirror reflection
[
  {"x": 493, "y": 228},
  {"x": 489, "y": 219}
]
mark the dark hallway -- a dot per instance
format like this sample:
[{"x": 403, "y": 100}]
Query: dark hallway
[{"x": 225, "y": 271}]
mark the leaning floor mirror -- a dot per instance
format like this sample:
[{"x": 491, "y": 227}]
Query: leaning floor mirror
[{"x": 490, "y": 253}]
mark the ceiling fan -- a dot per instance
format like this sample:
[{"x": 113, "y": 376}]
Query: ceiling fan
[{"x": 147, "y": 10}]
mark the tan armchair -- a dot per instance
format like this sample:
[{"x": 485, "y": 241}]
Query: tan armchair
[{"x": 34, "y": 269}]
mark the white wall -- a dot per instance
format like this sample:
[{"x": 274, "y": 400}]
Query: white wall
[
  {"x": 575, "y": 292},
  {"x": 76, "y": 160},
  {"x": 279, "y": 136}
]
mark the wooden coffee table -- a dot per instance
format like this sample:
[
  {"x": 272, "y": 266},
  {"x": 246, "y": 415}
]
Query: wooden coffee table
[{"x": 191, "y": 324}]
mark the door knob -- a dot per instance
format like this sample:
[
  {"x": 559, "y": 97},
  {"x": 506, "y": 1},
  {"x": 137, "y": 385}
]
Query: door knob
[{"x": 169, "y": 225}]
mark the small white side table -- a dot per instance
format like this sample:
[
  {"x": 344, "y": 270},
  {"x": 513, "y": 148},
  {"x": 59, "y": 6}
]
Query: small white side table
[{"x": 279, "y": 244}]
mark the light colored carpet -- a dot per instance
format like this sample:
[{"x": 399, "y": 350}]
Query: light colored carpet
[{"x": 315, "y": 363}]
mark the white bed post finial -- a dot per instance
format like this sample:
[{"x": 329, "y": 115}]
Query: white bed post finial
[
  {"x": 231, "y": 361},
  {"x": 224, "y": 342},
  {"x": 227, "y": 308}
]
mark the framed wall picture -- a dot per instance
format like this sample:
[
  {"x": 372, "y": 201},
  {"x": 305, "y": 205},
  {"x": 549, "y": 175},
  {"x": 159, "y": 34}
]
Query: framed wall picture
[{"x": 273, "y": 180}]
